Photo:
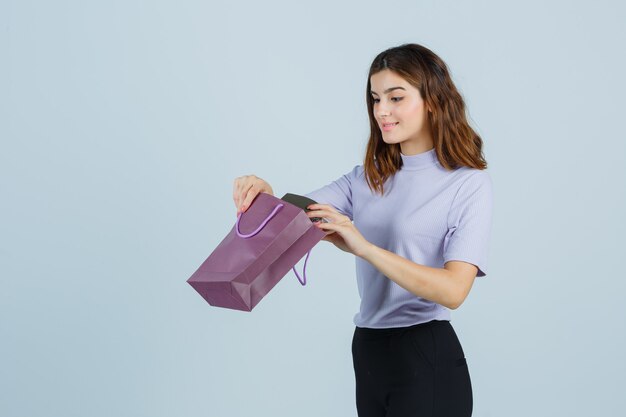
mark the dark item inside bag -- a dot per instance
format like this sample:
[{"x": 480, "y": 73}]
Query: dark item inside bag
[{"x": 302, "y": 202}]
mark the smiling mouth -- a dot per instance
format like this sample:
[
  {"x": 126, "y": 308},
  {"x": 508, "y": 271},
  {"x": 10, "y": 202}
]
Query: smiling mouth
[{"x": 387, "y": 127}]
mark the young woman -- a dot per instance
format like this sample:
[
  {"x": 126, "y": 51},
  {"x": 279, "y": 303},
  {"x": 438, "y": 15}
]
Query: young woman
[{"x": 417, "y": 216}]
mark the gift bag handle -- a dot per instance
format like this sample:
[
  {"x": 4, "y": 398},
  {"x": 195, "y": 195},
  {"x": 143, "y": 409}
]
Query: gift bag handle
[
  {"x": 271, "y": 215},
  {"x": 303, "y": 282}
]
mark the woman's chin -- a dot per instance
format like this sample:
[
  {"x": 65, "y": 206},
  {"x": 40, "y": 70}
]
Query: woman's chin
[{"x": 390, "y": 140}]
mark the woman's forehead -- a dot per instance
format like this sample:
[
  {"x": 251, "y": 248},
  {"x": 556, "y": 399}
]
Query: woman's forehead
[{"x": 386, "y": 84}]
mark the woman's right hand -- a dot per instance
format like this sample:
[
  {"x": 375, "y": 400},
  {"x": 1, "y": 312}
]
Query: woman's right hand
[{"x": 246, "y": 188}]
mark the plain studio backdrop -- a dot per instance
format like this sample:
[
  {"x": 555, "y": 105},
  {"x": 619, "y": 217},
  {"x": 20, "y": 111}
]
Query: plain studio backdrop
[{"x": 123, "y": 125}]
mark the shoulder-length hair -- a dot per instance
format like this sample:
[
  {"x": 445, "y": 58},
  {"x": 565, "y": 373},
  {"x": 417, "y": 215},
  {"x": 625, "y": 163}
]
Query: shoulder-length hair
[{"x": 456, "y": 143}]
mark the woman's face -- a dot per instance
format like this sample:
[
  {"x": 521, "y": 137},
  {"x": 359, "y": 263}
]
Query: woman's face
[{"x": 397, "y": 101}]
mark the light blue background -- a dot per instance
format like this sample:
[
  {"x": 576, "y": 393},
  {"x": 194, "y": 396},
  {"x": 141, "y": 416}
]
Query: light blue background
[{"x": 124, "y": 123}]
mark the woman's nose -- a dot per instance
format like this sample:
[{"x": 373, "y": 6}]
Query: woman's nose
[
  {"x": 382, "y": 110},
  {"x": 382, "y": 113}
]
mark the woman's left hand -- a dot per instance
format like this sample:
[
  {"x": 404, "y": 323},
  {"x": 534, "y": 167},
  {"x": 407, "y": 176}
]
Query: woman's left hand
[{"x": 340, "y": 231}]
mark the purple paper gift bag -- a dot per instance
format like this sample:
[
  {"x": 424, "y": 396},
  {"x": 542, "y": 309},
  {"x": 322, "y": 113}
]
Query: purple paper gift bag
[{"x": 263, "y": 245}]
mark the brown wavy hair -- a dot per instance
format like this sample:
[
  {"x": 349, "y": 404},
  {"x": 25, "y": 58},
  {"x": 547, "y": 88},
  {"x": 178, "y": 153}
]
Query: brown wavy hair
[{"x": 456, "y": 143}]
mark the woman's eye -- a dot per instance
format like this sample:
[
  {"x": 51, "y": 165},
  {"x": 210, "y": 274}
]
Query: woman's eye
[{"x": 392, "y": 98}]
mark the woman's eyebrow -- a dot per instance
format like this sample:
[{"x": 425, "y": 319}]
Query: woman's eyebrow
[{"x": 388, "y": 90}]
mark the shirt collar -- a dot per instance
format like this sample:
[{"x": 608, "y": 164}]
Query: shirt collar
[{"x": 419, "y": 161}]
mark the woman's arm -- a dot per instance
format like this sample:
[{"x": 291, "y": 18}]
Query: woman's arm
[{"x": 448, "y": 286}]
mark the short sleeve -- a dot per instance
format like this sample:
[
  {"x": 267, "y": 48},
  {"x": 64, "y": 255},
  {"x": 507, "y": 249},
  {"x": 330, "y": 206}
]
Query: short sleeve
[
  {"x": 337, "y": 194},
  {"x": 469, "y": 222}
]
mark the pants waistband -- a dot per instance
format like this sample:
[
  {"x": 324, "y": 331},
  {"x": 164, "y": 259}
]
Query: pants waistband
[{"x": 367, "y": 332}]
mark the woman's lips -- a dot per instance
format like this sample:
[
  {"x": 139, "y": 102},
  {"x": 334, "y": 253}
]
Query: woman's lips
[{"x": 389, "y": 126}]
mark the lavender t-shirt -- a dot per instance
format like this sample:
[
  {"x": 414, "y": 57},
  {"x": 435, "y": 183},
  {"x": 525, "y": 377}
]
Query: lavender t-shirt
[{"x": 428, "y": 215}]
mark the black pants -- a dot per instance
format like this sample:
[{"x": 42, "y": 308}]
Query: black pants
[{"x": 416, "y": 371}]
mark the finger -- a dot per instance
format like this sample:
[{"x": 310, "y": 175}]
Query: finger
[
  {"x": 242, "y": 192},
  {"x": 322, "y": 207},
  {"x": 328, "y": 232},
  {"x": 243, "y": 184},
  {"x": 325, "y": 214},
  {"x": 236, "y": 186},
  {"x": 252, "y": 192},
  {"x": 328, "y": 239}
]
